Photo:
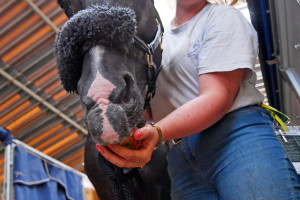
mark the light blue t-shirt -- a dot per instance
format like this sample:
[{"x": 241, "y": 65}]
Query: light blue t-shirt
[{"x": 219, "y": 38}]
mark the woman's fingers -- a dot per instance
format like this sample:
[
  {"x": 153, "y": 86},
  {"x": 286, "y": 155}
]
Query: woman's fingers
[
  {"x": 125, "y": 157},
  {"x": 141, "y": 155},
  {"x": 144, "y": 132},
  {"x": 148, "y": 134},
  {"x": 118, "y": 160}
]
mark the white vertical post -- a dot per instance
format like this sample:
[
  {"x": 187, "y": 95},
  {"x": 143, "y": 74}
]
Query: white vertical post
[{"x": 8, "y": 172}]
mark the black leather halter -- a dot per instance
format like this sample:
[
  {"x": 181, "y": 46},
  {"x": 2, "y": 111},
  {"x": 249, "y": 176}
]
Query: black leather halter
[{"x": 152, "y": 68}]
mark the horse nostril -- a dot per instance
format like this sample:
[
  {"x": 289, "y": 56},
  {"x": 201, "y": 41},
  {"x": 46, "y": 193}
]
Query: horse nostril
[
  {"x": 128, "y": 89},
  {"x": 123, "y": 93}
]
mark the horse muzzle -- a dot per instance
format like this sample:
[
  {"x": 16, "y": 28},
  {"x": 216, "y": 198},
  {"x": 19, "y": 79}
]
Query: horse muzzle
[{"x": 117, "y": 111}]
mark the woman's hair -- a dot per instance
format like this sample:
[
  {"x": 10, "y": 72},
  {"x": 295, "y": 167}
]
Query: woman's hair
[{"x": 228, "y": 2}]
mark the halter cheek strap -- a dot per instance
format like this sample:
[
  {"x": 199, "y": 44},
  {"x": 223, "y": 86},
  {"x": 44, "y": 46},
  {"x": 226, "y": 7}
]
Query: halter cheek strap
[
  {"x": 152, "y": 69},
  {"x": 150, "y": 48}
]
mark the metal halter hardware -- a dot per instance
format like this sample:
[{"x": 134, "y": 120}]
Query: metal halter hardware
[{"x": 152, "y": 69}]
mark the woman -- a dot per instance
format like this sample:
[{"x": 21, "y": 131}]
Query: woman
[{"x": 207, "y": 97}]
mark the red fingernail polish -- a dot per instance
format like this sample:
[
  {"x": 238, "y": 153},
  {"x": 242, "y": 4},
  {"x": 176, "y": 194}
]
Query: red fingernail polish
[
  {"x": 100, "y": 149},
  {"x": 137, "y": 134},
  {"x": 110, "y": 145}
]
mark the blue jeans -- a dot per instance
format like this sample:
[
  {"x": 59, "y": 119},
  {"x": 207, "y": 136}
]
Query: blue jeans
[{"x": 238, "y": 158}]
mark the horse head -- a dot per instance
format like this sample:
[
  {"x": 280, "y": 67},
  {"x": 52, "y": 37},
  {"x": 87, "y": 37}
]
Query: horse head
[{"x": 109, "y": 54}]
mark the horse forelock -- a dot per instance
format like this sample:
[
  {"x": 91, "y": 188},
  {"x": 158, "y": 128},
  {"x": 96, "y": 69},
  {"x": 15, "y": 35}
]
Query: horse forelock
[{"x": 99, "y": 24}]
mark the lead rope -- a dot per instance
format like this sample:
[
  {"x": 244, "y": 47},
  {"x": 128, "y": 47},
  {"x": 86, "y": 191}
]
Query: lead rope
[{"x": 119, "y": 179}]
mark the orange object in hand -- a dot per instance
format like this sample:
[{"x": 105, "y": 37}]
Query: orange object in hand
[{"x": 131, "y": 143}]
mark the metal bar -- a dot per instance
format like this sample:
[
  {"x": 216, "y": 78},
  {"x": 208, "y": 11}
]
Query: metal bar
[
  {"x": 38, "y": 61},
  {"x": 280, "y": 10},
  {"x": 8, "y": 173},
  {"x": 273, "y": 24},
  {"x": 69, "y": 151},
  {"x": 294, "y": 80},
  {"x": 276, "y": 50},
  {"x": 27, "y": 33},
  {"x": 46, "y": 38},
  {"x": 52, "y": 160},
  {"x": 6, "y": 5},
  {"x": 9, "y": 120},
  {"x": 42, "y": 101},
  {"x": 46, "y": 53},
  {"x": 8, "y": 170},
  {"x": 47, "y": 122},
  {"x": 280, "y": 15},
  {"x": 17, "y": 19},
  {"x": 42, "y": 15}
]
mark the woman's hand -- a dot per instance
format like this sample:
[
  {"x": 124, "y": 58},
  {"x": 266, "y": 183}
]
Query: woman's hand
[{"x": 130, "y": 158}]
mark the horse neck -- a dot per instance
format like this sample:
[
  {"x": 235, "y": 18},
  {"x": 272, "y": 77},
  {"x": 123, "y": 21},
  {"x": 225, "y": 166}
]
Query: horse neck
[{"x": 146, "y": 19}]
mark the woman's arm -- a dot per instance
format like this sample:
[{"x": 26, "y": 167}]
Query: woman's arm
[{"x": 216, "y": 94}]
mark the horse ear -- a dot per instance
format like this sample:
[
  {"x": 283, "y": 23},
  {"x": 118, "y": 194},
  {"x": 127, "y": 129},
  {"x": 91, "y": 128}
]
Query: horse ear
[
  {"x": 64, "y": 5},
  {"x": 70, "y": 7}
]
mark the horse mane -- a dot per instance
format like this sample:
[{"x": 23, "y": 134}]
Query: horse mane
[{"x": 99, "y": 24}]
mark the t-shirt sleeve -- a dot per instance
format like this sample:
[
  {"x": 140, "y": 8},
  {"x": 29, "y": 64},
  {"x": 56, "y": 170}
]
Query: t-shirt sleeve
[{"x": 229, "y": 43}]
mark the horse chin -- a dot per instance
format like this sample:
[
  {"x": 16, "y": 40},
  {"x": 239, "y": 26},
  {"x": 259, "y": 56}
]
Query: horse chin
[{"x": 114, "y": 125}]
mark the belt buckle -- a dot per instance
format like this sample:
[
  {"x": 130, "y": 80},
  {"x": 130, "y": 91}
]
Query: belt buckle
[{"x": 176, "y": 141}]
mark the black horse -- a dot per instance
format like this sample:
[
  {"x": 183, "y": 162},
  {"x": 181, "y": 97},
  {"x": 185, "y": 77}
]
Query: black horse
[{"x": 109, "y": 53}]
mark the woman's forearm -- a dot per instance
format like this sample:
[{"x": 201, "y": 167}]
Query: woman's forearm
[
  {"x": 216, "y": 94},
  {"x": 194, "y": 116}
]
